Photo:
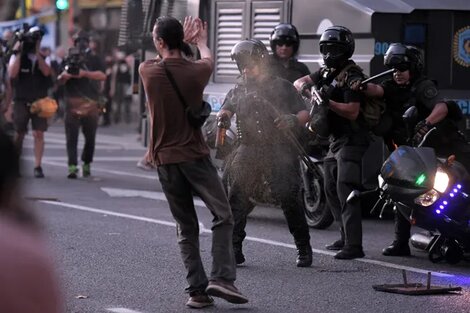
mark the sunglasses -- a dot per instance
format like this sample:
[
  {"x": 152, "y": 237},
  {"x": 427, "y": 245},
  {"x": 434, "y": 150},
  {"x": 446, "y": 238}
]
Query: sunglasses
[{"x": 284, "y": 43}]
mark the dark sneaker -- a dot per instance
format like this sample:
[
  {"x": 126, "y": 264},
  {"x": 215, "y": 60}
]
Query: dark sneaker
[
  {"x": 350, "y": 252},
  {"x": 397, "y": 248},
  {"x": 335, "y": 246},
  {"x": 304, "y": 256},
  {"x": 239, "y": 257},
  {"x": 86, "y": 170},
  {"x": 226, "y": 291},
  {"x": 73, "y": 171},
  {"x": 38, "y": 172},
  {"x": 199, "y": 300}
]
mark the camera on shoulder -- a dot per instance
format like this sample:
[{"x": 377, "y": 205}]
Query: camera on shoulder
[
  {"x": 73, "y": 62},
  {"x": 29, "y": 36}
]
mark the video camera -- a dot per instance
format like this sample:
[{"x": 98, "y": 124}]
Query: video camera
[
  {"x": 74, "y": 61},
  {"x": 29, "y": 36}
]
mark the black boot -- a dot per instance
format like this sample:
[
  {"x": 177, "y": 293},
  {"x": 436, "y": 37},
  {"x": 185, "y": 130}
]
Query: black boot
[
  {"x": 337, "y": 245},
  {"x": 304, "y": 256},
  {"x": 397, "y": 248},
  {"x": 350, "y": 252}
]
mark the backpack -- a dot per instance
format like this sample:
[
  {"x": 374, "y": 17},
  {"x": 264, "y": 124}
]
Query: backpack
[{"x": 372, "y": 109}]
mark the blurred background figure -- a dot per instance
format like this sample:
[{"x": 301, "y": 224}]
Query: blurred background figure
[
  {"x": 57, "y": 89},
  {"x": 109, "y": 63},
  {"x": 30, "y": 73},
  {"x": 121, "y": 88},
  {"x": 27, "y": 279}
]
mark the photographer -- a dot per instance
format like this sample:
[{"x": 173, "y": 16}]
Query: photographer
[
  {"x": 30, "y": 73},
  {"x": 81, "y": 76}
]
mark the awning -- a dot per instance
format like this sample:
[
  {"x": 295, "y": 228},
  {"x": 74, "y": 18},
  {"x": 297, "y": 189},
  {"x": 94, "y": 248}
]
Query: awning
[{"x": 407, "y": 6}]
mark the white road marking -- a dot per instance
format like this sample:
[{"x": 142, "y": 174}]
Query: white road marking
[
  {"x": 95, "y": 158},
  {"x": 122, "y": 310},
  {"x": 102, "y": 170},
  {"x": 126, "y": 193},
  {"x": 254, "y": 239},
  {"x": 50, "y": 146}
]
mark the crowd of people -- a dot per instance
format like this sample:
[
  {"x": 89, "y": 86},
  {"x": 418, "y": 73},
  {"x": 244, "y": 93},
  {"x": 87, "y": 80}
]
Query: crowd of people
[
  {"x": 268, "y": 101},
  {"x": 270, "y": 113},
  {"x": 85, "y": 88}
]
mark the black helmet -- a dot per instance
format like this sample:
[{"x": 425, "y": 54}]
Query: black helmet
[
  {"x": 404, "y": 58},
  {"x": 284, "y": 33},
  {"x": 336, "y": 46},
  {"x": 248, "y": 51}
]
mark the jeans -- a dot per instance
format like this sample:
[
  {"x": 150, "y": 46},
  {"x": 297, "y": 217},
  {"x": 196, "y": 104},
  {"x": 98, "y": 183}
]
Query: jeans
[{"x": 179, "y": 181}]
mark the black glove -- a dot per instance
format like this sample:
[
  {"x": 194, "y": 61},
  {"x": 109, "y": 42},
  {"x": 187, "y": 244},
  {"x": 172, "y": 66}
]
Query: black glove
[
  {"x": 286, "y": 121},
  {"x": 223, "y": 121},
  {"x": 421, "y": 129}
]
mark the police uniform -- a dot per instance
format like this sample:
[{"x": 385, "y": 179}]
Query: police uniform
[
  {"x": 349, "y": 141},
  {"x": 446, "y": 139},
  {"x": 292, "y": 71},
  {"x": 265, "y": 154}
]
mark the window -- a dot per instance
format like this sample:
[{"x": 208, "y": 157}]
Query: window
[{"x": 237, "y": 20}]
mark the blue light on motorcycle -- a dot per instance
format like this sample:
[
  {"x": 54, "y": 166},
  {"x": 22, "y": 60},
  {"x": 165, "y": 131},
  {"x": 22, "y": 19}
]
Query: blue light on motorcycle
[
  {"x": 451, "y": 195},
  {"x": 459, "y": 186},
  {"x": 438, "y": 211}
]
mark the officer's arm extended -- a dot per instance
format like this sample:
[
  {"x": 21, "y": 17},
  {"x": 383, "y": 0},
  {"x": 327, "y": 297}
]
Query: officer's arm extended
[{"x": 348, "y": 110}]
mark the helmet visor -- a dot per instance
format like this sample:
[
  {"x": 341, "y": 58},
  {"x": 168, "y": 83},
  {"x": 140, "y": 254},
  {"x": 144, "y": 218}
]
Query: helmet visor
[
  {"x": 332, "y": 49},
  {"x": 284, "y": 42}
]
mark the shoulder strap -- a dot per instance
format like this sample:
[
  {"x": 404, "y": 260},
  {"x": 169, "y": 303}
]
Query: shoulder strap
[{"x": 173, "y": 83}]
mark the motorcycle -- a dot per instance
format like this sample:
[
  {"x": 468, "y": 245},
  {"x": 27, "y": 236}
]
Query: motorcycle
[
  {"x": 318, "y": 215},
  {"x": 431, "y": 193}
]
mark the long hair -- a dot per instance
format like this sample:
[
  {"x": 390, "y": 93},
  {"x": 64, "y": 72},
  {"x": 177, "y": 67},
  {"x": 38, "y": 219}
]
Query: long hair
[{"x": 171, "y": 31}]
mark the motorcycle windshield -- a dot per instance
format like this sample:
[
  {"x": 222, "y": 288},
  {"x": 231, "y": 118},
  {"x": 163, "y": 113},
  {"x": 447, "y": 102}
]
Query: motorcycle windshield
[{"x": 410, "y": 168}]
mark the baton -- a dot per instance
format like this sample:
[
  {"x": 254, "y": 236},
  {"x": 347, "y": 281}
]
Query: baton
[{"x": 377, "y": 76}]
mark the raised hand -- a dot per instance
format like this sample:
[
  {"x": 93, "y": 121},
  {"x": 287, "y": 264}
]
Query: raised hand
[{"x": 191, "y": 30}]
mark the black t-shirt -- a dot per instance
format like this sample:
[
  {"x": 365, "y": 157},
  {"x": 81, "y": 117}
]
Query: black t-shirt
[
  {"x": 292, "y": 72},
  {"x": 340, "y": 126},
  {"x": 257, "y": 105},
  {"x": 84, "y": 87}
]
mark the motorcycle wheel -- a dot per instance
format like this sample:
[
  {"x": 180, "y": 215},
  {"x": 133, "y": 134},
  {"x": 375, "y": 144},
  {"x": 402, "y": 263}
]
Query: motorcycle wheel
[{"x": 317, "y": 213}]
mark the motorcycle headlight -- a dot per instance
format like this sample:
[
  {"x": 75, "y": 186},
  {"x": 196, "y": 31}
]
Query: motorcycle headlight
[
  {"x": 441, "y": 180},
  {"x": 428, "y": 198}
]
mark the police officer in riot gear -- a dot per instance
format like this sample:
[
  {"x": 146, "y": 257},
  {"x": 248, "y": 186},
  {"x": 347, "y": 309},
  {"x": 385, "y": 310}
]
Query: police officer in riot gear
[
  {"x": 284, "y": 41},
  {"x": 349, "y": 137},
  {"x": 409, "y": 87},
  {"x": 269, "y": 113}
]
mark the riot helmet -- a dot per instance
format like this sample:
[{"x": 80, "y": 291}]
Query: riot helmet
[
  {"x": 403, "y": 58},
  {"x": 284, "y": 33},
  {"x": 249, "y": 52},
  {"x": 336, "y": 46}
]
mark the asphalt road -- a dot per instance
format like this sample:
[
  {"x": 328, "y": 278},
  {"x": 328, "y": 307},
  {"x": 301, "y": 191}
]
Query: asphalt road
[{"x": 114, "y": 242}]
